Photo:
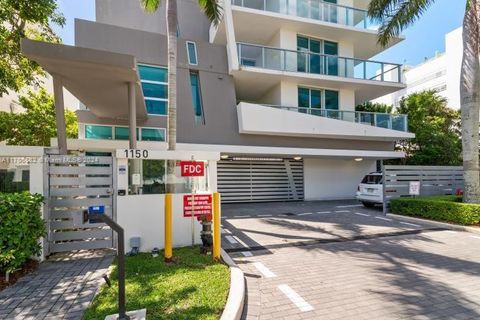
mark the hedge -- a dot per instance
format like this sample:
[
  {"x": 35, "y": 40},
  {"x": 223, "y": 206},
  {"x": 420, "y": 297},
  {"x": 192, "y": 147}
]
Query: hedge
[
  {"x": 440, "y": 208},
  {"x": 21, "y": 226}
]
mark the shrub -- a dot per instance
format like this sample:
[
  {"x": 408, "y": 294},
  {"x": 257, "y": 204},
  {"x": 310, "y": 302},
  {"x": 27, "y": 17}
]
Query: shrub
[
  {"x": 441, "y": 208},
  {"x": 21, "y": 226}
]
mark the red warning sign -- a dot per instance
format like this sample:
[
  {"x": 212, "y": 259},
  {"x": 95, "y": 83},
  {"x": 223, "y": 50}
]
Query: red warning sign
[{"x": 199, "y": 204}]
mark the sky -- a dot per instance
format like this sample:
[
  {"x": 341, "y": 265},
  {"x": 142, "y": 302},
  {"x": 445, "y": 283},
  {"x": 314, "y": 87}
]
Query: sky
[{"x": 423, "y": 39}]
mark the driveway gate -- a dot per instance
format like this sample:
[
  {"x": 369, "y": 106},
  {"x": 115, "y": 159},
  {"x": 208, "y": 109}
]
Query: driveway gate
[
  {"x": 76, "y": 183},
  {"x": 265, "y": 180}
]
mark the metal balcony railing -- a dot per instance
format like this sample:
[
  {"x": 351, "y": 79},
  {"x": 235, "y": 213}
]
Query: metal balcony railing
[
  {"x": 397, "y": 122},
  {"x": 313, "y": 9},
  {"x": 251, "y": 55}
]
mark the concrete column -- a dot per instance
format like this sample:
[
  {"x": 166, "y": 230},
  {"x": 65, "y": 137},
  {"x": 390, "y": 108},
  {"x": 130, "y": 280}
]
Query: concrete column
[
  {"x": 60, "y": 114},
  {"x": 132, "y": 116},
  {"x": 132, "y": 127}
]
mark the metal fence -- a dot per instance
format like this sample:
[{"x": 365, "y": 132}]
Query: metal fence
[{"x": 434, "y": 180}]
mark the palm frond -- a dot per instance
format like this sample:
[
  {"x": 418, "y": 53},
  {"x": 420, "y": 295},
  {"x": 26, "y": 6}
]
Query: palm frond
[
  {"x": 396, "y": 15},
  {"x": 212, "y": 9},
  {"x": 150, "y": 5}
]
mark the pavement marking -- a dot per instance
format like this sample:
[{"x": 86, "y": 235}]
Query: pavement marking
[
  {"x": 382, "y": 218},
  {"x": 361, "y": 214},
  {"x": 475, "y": 237},
  {"x": 303, "y": 305},
  {"x": 247, "y": 254},
  {"x": 320, "y": 212},
  {"x": 410, "y": 224},
  {"x": 264, "y": 270},
  {"x": 304, "y": 214},
  {"x": 342, "y": 211},
  {"x": 231, "y": 239},
  {"x": 238, "y": 216},
  {"x": 264, "y": 215},
  {"x": 241, "y": 242},
  {"x": 247, "y": 216},
  {"x": 350, "y": 206},
  {"x": 223, "y": 217},
  {"x": 225, "y": 231}
]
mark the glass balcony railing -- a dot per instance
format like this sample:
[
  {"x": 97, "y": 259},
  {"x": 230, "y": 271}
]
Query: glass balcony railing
[
  {"x": 313, "y": 9},
  {"x": 250, "y": 55},
  {"x": 397, "y": 122}
]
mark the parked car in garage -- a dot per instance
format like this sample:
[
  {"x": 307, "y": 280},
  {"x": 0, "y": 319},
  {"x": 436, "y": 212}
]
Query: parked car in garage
[{"x": 370, "y": 190}]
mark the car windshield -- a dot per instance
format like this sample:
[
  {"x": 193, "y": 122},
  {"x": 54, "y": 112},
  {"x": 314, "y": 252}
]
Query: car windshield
[{"x": 372, "y": 179}]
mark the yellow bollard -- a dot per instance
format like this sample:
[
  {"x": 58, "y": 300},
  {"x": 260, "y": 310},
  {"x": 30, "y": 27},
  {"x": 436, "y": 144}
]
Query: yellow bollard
[
  {"x": 168, "y": 227},
  {"x": 216, "y": 226}
]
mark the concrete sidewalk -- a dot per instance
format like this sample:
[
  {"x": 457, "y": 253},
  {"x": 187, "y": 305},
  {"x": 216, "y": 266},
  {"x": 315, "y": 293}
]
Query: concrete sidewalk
[{"x": 61, "y": 288}]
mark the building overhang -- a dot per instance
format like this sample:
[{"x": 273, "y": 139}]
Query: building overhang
[
  {"x": 262, "y": 120},
  {"x": 99, "y": 79},
  {"x": 280, "y": 152},
  {"x": 234, "y": 150}
]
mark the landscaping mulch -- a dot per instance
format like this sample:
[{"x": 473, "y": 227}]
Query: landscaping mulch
[{"x": 30, "y": 266}]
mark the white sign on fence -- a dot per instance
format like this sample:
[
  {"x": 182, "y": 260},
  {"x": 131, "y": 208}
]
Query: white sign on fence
[{"x": 414, "y": 188}]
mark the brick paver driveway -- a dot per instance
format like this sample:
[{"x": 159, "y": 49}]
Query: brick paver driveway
[{"x": 336, "y": 260}]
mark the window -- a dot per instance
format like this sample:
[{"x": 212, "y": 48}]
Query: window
[
  {"x": 154, "y": 82},
  {"x": 197, "y": 98},
  {"x": 98, "y": 132},
  {"x": 316, "y": 101},
  {"x": 317, "y": 56},
  {"x": 123, "y": 133},
  {"x": 192, "y": 53},
  {"x": 153, "y": 134}
]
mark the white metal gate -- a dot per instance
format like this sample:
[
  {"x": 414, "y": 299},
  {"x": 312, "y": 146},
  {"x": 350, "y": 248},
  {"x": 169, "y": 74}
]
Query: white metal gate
[
  {"x": 76, "y": 183},
  {"x": 260, "y": 180}
]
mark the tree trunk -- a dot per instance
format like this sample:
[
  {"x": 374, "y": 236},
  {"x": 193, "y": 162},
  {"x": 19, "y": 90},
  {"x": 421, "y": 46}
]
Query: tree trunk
[
  {"x": 172, "y": 22},
  {"x": 469, "y": 94}
]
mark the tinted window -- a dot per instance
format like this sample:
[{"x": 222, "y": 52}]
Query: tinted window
[
  {"x": 372, "y": 179},
  {"x": 192, "y": 53},
  {"x": 98, "y": 132}
]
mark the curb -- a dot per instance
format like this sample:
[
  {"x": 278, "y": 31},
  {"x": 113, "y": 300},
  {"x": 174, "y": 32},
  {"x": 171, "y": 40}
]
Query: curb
[
  {"x": 236, "y": 296},
  {"x": 445, "y": 225}
]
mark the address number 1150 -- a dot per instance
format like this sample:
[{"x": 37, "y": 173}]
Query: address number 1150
[{"x": 136, "y": 154}]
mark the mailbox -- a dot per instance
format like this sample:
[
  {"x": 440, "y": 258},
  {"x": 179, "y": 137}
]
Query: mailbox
[{"x": 95, "y": 210}]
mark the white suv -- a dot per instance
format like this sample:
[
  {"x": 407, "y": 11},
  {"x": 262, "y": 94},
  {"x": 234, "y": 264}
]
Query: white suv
[{"x": 370, "y": 190}]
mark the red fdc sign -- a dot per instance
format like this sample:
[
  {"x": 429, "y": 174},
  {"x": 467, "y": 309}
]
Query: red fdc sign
[
  {"x": 192, "y": 168},
  {"x": 199, "y": 205}
]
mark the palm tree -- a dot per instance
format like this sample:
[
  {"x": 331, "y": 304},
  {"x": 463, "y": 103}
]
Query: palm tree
[
  {"x": 212, "y": 10},
  {"x": 396, "y": 15}
]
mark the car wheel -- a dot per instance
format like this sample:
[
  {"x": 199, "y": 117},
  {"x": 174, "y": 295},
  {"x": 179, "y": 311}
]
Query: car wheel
[{"x": 368, "y": 204}]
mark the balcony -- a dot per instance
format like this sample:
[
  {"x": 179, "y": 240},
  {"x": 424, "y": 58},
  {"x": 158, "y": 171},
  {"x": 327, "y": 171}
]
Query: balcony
[
  {"x": 250, "y": 55},
  {"x": 398, "y": 122},
  {"x": 313, "y": 9},
  {"x": 258, "y": 119}
]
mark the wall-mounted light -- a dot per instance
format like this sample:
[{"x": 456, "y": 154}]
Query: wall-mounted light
[
  {"x": 224, "y": 156},
  {"x": 358, "y": 159},
  {"x": 297, "y": 158}
]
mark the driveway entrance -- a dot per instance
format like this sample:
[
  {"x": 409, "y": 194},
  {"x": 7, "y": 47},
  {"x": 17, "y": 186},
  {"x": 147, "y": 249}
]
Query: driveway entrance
[{"x": 338, "y": 260}]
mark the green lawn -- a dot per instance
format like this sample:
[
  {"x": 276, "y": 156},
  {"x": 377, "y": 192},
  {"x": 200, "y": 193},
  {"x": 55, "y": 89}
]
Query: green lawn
[{"x": 191, "y": 287}]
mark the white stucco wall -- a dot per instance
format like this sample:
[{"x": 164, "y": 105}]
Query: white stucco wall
[
  {"x": 330, "y": 179},
  {"x": 143, "y": 216}
]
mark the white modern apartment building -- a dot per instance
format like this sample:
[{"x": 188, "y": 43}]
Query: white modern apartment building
[
  {"x": 440, "y": 73},
  {"x": 273, "y": 88}
]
